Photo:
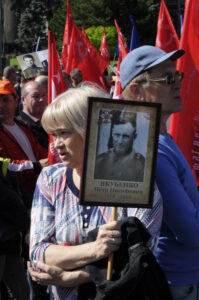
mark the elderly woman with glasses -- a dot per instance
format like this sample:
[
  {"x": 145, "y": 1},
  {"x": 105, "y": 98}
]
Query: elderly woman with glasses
[{"x": 58, "y": 228}]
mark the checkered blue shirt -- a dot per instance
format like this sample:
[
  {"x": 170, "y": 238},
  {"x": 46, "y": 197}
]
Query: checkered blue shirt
[{"x": 58, "y": 218}]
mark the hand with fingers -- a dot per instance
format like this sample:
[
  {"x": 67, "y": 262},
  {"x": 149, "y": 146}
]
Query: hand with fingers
[
  {"x": 51, "y": 275},
  {"x": 108, "y": 239},
  {"x": 44, "y": 162}
]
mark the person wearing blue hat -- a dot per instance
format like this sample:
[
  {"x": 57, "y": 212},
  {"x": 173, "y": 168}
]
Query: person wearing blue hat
[{"x": 148, "y": 74}]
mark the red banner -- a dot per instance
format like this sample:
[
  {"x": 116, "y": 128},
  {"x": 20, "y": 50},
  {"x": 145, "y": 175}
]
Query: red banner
[
  {"x": 67, "y": 35},
  {"x": 78, "y": 52},
  {"x": 166, "y": 38},
  {"x": 55, "y": 87},
  {"x": 104, "y": 48},
  {"x": 84, "y": 56},
  {"x": 184, "y": 126},
  {"x": 123, "y": 51},
  {"x": 85, "y": 35}
]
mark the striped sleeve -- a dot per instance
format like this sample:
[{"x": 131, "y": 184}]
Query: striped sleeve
[
  {"x": 42, "y": 229},
  {"x": 19, "y": 167},
  {"x": 151, "y": 217}
]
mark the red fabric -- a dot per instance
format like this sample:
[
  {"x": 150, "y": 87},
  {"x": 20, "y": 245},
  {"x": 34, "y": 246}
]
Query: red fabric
[
  {"x": 104, "y": 48},
  {"x": 184, "y": 126},
  {"x": 104, "y": 83},
  {"x": 78, "y": 52},
  {"x": 9, "y": 148},
  {"x": 55, "y": 87},
  {"x": 166, "y": 38},
  {"x": 118, "y": 88},
  {"x": 56, "y": 84},
  {"x": 123, "y": 48},
  {"x": 67, "y": 36},
  {"x": 84, "y": 56},
  {"x": 85, "y": 35},
  {"x": 123, "y": 51}
]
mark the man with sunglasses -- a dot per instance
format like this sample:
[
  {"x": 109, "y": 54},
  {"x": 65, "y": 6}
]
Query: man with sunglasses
[{"x": 148, "y": 74}]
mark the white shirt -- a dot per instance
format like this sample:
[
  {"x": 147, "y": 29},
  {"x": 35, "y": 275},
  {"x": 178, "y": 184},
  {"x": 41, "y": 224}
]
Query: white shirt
[{"x": 22, "y": 140}]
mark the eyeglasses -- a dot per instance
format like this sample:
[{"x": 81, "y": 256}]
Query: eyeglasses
[{"x": 170, "y": 78}]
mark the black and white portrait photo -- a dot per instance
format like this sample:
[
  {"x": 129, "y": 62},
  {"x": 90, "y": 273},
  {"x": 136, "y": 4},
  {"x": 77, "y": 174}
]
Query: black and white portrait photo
[
  {"x": 120, "y": 153},
  {"x": 33, "y": 63},
  {"x": 118, "y": 158}
]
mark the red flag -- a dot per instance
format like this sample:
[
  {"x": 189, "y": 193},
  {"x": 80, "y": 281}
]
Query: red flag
[
  {"x": 67, "y": 36},
  {"x": 104, "y": 48},
  {"x": 85, "y": 35},
  {"x": 184, "y": 126},
  {"x": 123, "y": 51},
  {"x": 123, "y": 48},
  {"x": 166, "y": 38},
  {"x": 84, "y": 56},
  {"x": 78, "y": 52},
  {"x": 55, "y": 87}
]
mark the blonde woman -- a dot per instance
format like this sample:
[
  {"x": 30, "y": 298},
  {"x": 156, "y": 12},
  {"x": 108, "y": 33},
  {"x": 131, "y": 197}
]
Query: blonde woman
[{"x": 59, "y": 224}]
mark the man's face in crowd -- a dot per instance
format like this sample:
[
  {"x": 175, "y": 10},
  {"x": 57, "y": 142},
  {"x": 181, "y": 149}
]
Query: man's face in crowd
[
  {"x": 35, "y": 100},
  {"x": 67, "y": 81},
  {"x": 28, "y": 61},
  {"x": 13, "y": 77},
  {"x": 161, "y": 92},
  {"x": 8, "y": 105},
  {"x": 123, "y": 136}
]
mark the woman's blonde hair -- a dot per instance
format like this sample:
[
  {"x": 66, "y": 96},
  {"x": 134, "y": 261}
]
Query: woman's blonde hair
[{"x": 69, "y": 110}]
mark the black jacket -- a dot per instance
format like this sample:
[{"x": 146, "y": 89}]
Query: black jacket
[
  {"x": 36, "y": 128},
  {"x": 14, "y": 215},
  {"x": 135, "y": 275}
]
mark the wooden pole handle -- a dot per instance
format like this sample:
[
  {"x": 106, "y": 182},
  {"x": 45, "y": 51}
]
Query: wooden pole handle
[{"x": 110, "y": 258}]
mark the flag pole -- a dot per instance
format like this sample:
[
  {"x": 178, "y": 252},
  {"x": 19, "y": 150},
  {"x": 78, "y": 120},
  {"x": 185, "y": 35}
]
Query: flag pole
[
  {"x": 179, "y": 17},
  {"x": 110, "y": 259}
]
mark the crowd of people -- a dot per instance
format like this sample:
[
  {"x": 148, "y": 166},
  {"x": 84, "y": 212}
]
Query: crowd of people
[{"x": 42, "y": 221}]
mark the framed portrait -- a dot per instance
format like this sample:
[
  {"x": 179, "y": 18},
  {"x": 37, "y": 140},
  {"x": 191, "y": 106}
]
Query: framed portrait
[
  {"x": 32, "y": 63},
  {"x": 120, "y": 153}
]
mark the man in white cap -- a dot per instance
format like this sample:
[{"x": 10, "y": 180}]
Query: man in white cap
[{"x": 148, "y": 74}]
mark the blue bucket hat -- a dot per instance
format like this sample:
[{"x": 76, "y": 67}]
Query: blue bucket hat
[{"x": 144, "y": 58}]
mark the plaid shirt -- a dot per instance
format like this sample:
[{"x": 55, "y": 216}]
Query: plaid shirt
[{"x": 58, "y": 218}]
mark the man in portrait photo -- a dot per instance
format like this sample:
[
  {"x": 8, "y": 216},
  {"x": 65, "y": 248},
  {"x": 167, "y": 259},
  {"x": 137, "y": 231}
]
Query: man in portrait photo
[
  {"x": 121, "y": 162},
  {"x": 31, "y": 69}
]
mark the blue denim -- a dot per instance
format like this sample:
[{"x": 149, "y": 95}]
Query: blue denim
[{"x": 185, "y": 292}]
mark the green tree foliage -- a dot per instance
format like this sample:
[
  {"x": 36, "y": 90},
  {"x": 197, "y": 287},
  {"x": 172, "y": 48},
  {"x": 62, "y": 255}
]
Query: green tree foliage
[
  {"x": 33, "y": 14},
  {"x": 103, "y": 12},
  {"x": 95, "y": 13},
  {"x": 32, "y": 17},
  {"x": 57, "y": 24},
  {"x": 91, "y": 13},
  {"x": 94, "y": 32},
  {"x": 95, "y": 36},
  {"x": 144, "y": 13}
]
